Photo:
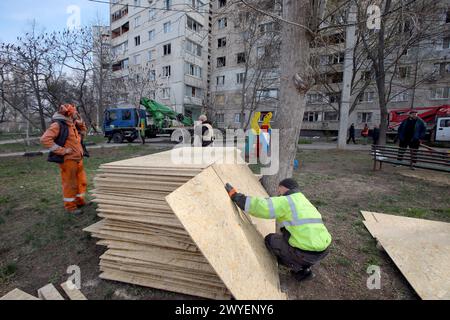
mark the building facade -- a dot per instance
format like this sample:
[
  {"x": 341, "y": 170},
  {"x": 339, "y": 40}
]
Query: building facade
[
  {"x": 244, "y": 63},
  {"x": 164, "y": 44},
  {"x": 203, "y": 55},
  {"x": 420, "y": 78}
]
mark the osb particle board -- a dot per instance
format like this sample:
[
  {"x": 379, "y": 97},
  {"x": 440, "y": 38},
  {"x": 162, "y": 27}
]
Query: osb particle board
[
  {"x": 72, "y": 292},
  {"x": 232, "y": 245},
  {"x": 163, "y": 284},
  {"x": 420, "y": 249},
  {"x": 49, "y": 292},
  {"x": 209, "y": 280},
  {"x": 18, "y": 294},
  {"x": 179, "y": 158}
]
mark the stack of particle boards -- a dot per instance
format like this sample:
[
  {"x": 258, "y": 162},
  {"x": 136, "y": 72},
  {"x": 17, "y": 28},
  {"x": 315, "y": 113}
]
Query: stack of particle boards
[
  {"x": 147, "y": 243},
  {"x": 47, "y": 292}
]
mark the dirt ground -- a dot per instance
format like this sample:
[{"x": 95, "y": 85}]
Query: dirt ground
[{"x": 38, "y": 241}]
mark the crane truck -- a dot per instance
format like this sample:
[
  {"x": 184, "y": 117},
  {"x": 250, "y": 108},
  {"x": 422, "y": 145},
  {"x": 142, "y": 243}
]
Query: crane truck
[
  {"x": 131, "y": 123},
  {"x": 437, "y": 120}
]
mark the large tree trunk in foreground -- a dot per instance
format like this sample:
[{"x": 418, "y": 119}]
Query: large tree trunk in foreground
[{"x": 294, "y": 59}]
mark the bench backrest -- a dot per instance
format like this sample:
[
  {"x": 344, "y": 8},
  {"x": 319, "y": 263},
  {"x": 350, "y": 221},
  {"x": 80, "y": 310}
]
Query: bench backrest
[{"x": 411, "y": 156}]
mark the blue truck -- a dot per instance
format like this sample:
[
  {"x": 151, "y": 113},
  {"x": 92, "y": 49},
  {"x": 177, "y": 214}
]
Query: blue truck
[{"x": 129, "y": 124}]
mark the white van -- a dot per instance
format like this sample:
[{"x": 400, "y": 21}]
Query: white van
[{"x": 443, "y": 129}]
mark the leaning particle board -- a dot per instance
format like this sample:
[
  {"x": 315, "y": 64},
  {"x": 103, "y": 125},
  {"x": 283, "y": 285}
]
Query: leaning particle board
[
  {"x": 72, "y": 292},
  {"x": 369, "y": 216},
  {"x": 49, "y": 292},
  {"x": 18, "y": 294},
  {"x": 232, "y": 245},
  {"x": 420, "y": 249},
  {"x": 242, "y": 178}
]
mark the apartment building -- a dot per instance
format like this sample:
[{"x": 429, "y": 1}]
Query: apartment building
[
  {"x": 165, "y": 42},
  {"x": 196, "y": 54},
  {"x": 421, "y": 78},
  {"x": 237, "y": 46}
]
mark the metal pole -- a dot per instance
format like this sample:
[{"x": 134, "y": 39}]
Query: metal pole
[{"x": 350, "y": 40}]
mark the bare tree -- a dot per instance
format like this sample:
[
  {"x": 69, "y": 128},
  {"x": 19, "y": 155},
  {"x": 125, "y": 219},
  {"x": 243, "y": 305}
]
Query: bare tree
[
  {"x": 32, "y": 61},
  {"x": 382, "y": 57},
  {"x": 259, "y": 37},
  {"x": 294, "y": 62},
  {"x": 139, "y": 81}
]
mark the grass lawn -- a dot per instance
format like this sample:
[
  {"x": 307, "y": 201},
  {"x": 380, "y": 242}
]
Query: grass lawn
[
  {"x": 38, "y": 241},
  {"x": 35, "y": 145},
  {"x": 341, "y": 184}
]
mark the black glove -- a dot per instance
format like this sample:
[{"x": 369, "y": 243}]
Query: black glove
[
  {"x": 235, "y": 196},
  {"x": 229, "y": 188}
]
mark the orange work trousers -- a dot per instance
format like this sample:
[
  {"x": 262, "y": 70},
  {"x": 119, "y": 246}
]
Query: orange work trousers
[{"x": 74, "y": 183}]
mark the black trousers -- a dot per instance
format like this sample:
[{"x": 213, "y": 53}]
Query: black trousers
[
  {"x": 351, "y": 138},
  {"x": 413, "y": 146},
  {"x": 293, "y": 258}
]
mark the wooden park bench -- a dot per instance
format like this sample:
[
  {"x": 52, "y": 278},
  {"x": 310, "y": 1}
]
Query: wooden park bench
[{"x": 425, "y": 159}]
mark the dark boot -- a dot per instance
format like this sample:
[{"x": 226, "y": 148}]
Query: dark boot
[{"x": 304, "y": 274}]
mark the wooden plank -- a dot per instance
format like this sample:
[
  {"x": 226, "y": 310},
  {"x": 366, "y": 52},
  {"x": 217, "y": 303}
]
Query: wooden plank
[
  {"x": 163, "y": 284},
  {"x": 369, "y": 216},
  {"x": 18, "y": 294},
  {"x": 232, "y": 245},
  {"x": 49, "y": 292},
  {"x": 131, "y": 265},
  {"x": 165, "y": 257},
  {"x": 420, "y": 249},
  {"x": 72, "y": 292},
  {"x": 180, "y": 158}
]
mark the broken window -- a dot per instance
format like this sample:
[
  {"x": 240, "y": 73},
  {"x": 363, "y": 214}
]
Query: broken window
[
  {"x": 167, "y": 49},
  {"x": 222, "y": 42},
  {"x": 241, "y": 57},
  {"x": 221, "y": 62}
]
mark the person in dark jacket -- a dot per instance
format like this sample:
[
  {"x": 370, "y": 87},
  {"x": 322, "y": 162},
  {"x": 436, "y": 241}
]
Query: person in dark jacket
[
  {"x": 207, "y": 131},
  {"x": 410, "y": 131},
  {"x": 351, "y": 134},
  {"x": 376, "y": 134}
]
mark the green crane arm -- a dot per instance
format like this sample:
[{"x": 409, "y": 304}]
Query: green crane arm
[{"x": 159, "y": 112}]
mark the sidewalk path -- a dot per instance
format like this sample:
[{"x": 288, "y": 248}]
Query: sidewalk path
[
  {"x": 332, "y": 145},
  {"x": 350, "y": 147},
  {"x": 97, "y": 146},
  {"x": 10, "y": 141}
]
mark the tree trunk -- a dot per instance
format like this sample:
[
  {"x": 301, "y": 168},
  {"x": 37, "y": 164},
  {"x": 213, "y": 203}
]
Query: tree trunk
[
  {"x": 381, "y": 79},
  {"x": 294, "y": 59}
]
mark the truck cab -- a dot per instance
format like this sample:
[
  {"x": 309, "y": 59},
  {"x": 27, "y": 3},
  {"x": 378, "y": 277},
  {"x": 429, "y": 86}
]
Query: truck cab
[
  {"x": 443, "y": 129},
  {"x": 123, "y": 123}
]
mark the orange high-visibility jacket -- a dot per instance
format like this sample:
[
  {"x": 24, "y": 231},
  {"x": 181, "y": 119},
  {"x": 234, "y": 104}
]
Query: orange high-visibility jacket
[{"x": 73, "y": 139}]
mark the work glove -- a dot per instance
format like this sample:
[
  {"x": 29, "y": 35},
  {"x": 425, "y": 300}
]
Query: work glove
[
  {"x": 235, "y": 196},
  {"x": 231, "y": 190}
]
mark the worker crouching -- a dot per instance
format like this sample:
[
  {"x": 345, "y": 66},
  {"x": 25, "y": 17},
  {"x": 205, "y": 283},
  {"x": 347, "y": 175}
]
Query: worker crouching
[
  {"x": 304, "y": 239},
  {"x": 64, "y": 140}
]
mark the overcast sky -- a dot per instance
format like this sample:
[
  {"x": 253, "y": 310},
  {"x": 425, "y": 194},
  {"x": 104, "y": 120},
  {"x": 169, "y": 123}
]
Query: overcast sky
[{"x": 16, "y": 15}]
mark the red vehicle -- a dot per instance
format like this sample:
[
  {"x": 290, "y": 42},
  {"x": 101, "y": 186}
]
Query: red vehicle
[{"x": 428, "y": 114}]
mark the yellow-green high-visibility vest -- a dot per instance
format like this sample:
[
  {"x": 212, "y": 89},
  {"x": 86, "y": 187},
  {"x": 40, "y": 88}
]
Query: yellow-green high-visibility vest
[{"x": 297, "y": 215}]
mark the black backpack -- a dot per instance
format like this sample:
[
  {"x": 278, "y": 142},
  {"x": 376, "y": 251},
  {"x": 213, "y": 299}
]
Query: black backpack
[{"x": 61, "y": 141}]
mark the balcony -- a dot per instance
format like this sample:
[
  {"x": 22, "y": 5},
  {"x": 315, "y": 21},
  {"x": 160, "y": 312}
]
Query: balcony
[
  {"x": 121, "y": 30},
  {"x": 193, "y": 101},
  {"x": 119, "y": 14}
]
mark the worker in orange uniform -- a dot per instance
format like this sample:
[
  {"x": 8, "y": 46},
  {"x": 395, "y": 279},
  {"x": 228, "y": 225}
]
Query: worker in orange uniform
[{"x": 63, "y": 139}]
